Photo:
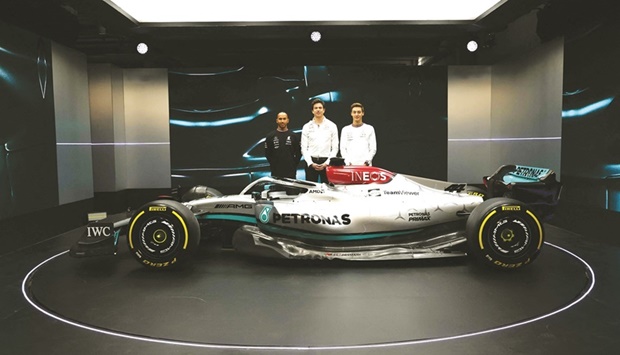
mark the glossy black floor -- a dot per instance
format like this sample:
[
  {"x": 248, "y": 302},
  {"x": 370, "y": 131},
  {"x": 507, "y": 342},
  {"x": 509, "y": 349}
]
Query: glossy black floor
[{"x": 230, "y": 304}]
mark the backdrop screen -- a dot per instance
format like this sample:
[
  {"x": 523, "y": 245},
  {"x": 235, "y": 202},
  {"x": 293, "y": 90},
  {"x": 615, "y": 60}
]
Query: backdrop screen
[
  {"x": 591, "y": 119},
  {"x": 220, "y": 116}
]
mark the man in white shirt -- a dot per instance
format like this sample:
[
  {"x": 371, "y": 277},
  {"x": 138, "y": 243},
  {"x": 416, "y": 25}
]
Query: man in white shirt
[
  {"x": 358, "y": 143},
  {"x": 319, "y": 142}
]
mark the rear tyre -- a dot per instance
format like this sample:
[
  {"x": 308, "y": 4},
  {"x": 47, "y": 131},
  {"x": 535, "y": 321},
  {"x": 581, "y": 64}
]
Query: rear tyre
[
  {"x": 163, "y": 234},
  {"x": 504, "y": 233}
]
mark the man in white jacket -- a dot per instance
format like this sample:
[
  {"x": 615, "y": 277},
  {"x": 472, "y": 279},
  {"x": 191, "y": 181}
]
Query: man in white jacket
[
  {"x": 358, "y": 143},
  {"x": 319, "y": 142}
]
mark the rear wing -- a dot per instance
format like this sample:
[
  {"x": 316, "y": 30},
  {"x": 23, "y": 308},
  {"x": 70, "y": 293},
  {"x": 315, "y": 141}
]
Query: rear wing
[{"x": 538, "y": 187}]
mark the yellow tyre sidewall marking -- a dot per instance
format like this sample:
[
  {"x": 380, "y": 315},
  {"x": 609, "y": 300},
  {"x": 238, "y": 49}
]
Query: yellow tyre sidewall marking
[
  {"x": 482, "y": 228},
  {"x": 184, "y": 228},
  {"x": 174, "y": 213},
  {"x": 540, "y": 232},
  {"x": 131, "y": 228}
]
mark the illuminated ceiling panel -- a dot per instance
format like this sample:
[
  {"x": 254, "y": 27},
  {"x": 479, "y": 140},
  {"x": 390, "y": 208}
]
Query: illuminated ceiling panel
[{"x": 284, "y": 11}]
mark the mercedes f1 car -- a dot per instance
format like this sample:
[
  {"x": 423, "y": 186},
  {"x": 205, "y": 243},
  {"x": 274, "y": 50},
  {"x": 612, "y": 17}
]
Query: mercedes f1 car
[{"x": 363, "y": 213}]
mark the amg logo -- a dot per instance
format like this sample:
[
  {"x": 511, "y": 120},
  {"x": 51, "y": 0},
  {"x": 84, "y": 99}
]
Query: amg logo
[
  {"x": 234, "y": 205},
  {"x": 314, "y": 191},
  {"x": 157, "y": 209},
  {"x": 511, "y": 208},
  {"x": 288, "y": 218}
]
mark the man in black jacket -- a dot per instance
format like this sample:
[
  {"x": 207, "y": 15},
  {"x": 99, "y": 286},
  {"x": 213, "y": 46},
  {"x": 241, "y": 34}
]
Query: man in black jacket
[{"x": 283, "y": 149}]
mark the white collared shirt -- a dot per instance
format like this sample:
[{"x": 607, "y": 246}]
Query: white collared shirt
[
  {"x": 319, "y": 140},
  {"x": 358, "y": 145}
]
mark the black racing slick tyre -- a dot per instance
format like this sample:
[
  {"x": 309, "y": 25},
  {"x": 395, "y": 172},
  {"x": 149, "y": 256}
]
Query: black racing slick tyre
[
  {"x": 504, "y": 233},
  {"x": 163, "y": 234}
]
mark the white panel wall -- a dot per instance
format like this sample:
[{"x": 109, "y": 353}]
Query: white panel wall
[
  {"x": 118, "y": 118},
  {"x": 147, "y": 128},
  {"x": 469, "y": 122},
  {"x": 108, "y": 127},
  {"x": 71, "y": 109},
  {"x": 100, "y": 85},
  {"x": 130, "y": 128},
  {"x": 510, "y": 114},
  {"x": 527, "y": 103}
]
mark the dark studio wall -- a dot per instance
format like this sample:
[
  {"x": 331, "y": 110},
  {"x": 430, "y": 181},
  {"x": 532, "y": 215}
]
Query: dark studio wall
[{"x": 28, "y": 175}]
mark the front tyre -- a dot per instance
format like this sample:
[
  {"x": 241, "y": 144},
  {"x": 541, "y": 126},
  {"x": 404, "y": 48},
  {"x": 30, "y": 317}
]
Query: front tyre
[
  {"x": 504, "y": 233},
  {"x": 163, "y": 234}
]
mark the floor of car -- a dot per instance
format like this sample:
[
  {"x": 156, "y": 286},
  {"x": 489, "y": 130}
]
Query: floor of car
[{"x": 564, "y": 302}]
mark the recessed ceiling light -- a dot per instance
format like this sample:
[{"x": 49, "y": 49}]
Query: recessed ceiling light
[
  {"x": 142, "y": 48},
  {"x": 315, "y": 36},
  {"x": 472, "y": 46}
]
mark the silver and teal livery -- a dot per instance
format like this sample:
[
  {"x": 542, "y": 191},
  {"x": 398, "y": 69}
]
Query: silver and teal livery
[{"x": 364, "y": 213}]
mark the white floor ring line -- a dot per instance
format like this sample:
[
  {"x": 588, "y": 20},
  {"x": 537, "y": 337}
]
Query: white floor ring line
[{"x": 26, "y": 294}]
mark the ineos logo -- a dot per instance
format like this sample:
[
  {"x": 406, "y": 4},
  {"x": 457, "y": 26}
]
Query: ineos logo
[{"x": 369, "y": 176}]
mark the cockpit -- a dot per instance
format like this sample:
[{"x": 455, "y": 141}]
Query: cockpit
[{"x": 278, "y": 188}]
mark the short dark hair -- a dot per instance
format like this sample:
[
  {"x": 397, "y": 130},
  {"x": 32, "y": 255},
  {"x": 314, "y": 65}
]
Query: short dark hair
[
  {"x": 357, "y": 104},
  {"x": 317, "y": 101}
]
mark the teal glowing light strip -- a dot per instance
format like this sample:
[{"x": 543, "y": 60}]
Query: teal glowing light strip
[
  {"x": 334, "y": 237},
  {"x": 6, "y": 76},
  {"x": 228, "y": 217},
  {"x": 230, "y": 71},
  {"x": 117, "y": 234},
  {"x": 599, "y": 105},
  {"x": 220, "y": 123}
]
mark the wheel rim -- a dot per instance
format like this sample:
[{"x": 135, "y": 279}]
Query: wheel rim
[
  {"x": 510, "y": 236},
  {"x": 159, "y": 237}
]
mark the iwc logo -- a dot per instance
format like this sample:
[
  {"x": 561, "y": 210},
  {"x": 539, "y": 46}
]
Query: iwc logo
[{"x": 264, "y": 214}]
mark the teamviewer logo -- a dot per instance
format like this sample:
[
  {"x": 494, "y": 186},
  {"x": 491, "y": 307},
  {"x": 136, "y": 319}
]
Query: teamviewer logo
[{"x": 264, "y": 214}]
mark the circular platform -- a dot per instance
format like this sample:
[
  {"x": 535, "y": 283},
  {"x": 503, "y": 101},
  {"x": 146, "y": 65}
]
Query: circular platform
[{"x": 229, "y": 300}]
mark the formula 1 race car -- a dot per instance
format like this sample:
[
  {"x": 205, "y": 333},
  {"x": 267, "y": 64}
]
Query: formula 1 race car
[{"x": 363, "y": 213}]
